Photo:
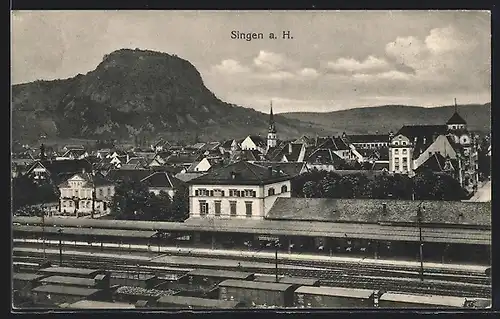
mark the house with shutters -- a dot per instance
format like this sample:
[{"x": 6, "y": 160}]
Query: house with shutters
[
  {"x": 86, "y": 194},
  {"x": 240, "y": 190}
]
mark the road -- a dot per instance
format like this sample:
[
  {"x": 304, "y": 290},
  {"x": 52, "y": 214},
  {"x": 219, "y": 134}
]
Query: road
[{"x": 483, "y": 194}]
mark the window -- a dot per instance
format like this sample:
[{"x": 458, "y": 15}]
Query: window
[
  {"x": 404, "y": 142},
  {"x": 100, "y": 192},
  {"x": 203, "y": 208},
  {"x": 232, "y": 205},
  {"x": 284, "y": 189},
  {"x": 405, "y": 160},
  {"x": 396, "y": 167},
  {"x": 232, "y": 192},
  {"x": 396, "y": 143},
  {"x": 270, "y": 192},
  {"x": 249, "y": 193},
  {"x": 405, "y": 167},
  {"x": 248, "y": 207},
  {"x": 70, "y": 203},
  {"x": 218, "y": 193},
  {"x": 211, "y": 193},
  {"x": 396, "y": 151},
  {"x": 396, "y": 159},
  {"x": 202, "y": 192},
  {"x": 217, "y": 208},
  {"x": 404, "y": 151}
]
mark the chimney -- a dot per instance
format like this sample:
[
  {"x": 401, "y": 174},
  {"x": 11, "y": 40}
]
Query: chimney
[
  {"x": 83, "y": 171},
  {"x": 415, "y": 140},
  {"x": 384, "y": 208},
  {"x": 425, "y": 140},
  {"x": 391, "y": 134},
  {"x": 270, "y": 171},
  {"x": 289, "y": 148},
  {"x": 233, "y": 175},
  {"x": 278, "y": 169}
]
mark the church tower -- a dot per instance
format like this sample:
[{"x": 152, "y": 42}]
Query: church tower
[{"x": 271, "y": 133}]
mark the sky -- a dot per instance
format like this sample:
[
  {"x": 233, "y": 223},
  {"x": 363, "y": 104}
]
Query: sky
[{"x": 334, "y": 60}]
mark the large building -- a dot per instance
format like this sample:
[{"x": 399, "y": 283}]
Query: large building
[
  {"x": 238, "y": 190},
  {"x": 85, "y": 194},
  {"x": 414, "y": 145}
]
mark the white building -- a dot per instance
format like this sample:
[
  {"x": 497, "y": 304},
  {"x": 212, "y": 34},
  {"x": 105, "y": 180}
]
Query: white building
[
  {"x": 239, "y": 190},
  {"x": 85, "y": 194}
]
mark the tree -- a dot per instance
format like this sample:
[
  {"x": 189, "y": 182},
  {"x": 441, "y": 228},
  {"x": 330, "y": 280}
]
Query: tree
[
  {"x": 180, "y": 204},
  {"x": 309, "y": 189},
  {"x": 130, "y": 200}
]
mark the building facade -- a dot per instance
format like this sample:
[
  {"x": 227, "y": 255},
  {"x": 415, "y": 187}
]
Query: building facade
[
  {"x": 85, "y": 194},
  {"x": 238, "y": 191}
]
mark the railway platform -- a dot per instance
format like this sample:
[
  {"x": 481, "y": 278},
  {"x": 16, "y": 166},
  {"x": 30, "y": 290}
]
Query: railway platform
[{"x": 214, "y": 253}]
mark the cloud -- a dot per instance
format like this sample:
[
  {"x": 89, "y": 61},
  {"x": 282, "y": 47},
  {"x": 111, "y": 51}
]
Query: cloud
[
  {"x": 231, "y": 66},
  {"x": 309, "y": 73},
  {"x": 442, "y": 40},
  {"x": 369, "y": 65},
  {"x": 270, "y": 61}
]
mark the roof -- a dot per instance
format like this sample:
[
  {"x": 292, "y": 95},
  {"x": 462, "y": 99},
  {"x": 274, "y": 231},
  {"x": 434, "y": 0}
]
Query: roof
[
  {"x": 64, "y": 280},
  {"x": 91, "y": 304},
  {"x": 250, "y": 155},
  {"x": 324, "y": 156},
  {"x": 186, "y": 177},
  {"x": 161, "y": 179},
  {"x": 26, "y": 276},
  {"x": 334, "y": 143},
  {"x": 412, "y": 131},
  {"x": 455, "y": 234},
  {"x": 220, "y": 273},
  {"x": 368, "y": 138},
  {"x": 372, "y": 211},
  {"x": 85, "y": 231},
  {"x": 197, "y": 302},
  {"x": 299, "y": 281},
  {"x": 97, "y": 180},
  {"x": 61, "y": 169},
  {"x": 70, "y": 271},
  {"x": 436, "y": 163},
  {"x": 67, "y": 290},
  {"x": 74, "y": 147},
  {"x": 456, "y": 119},
  {"x": 336, "y": 291},
  {"x": 240, "y": 173},
  {"x": 424, "y": 299},
  {"x": 290, "y": 168},
  {"x": 255, "y": 285},
  {"x": 258, "y": 140},
  {"x": 133, "y": 174},
  {"x": 289, "y": 280},
  {"x": 379, "y": 166}
]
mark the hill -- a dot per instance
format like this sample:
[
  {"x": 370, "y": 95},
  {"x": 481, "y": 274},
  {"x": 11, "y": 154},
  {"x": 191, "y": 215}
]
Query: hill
[
  {"x": 137, "y": 95},
  {"x": 393, "y": 117}
]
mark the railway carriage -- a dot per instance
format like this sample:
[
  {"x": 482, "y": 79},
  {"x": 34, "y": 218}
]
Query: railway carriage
[
  {"x": 402, "y": 300},
  {"x": 257, "y": 294}
]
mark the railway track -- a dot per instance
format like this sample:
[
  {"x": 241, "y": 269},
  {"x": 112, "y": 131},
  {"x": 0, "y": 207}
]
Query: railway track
[
  {"x": 327, "y": 277},
  {"x": 451, "y": 275}
]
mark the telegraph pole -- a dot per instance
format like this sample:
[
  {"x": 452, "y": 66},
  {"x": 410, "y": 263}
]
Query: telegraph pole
[
  {"x": 421, "y": 244},
  {"x": 93, "y": 195},
  {"x": 60, "y": 246},
  {"x": 43, "y": 234},
  {"x": 276, "y": 244}
]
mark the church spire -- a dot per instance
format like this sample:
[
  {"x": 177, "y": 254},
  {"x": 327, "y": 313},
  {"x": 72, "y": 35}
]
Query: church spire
[{"x": 271, "y": 115}]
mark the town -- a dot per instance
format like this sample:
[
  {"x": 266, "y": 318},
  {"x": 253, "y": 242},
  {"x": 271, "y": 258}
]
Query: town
[{"x": 421, "y": 194}]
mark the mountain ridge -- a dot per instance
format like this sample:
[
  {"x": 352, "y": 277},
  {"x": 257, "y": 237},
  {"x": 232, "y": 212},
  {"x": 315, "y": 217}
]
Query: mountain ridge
[{"x": 143, "y": 95}]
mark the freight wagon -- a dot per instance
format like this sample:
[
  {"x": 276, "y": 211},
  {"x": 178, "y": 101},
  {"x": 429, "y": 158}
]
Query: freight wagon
[
  {"x": 297, "y": 281},
  {"x": 72, "y": 272},
  {"x": 54, "y": 295},
  {"x": 182, "y": 302},
  {"x": 23, "y": 283},
  {"x": 92, "y": 304},
  {"x": 333, "y": 297},
  {"x": 257, "y": 294},
  {"x": 401, "y": 300}
]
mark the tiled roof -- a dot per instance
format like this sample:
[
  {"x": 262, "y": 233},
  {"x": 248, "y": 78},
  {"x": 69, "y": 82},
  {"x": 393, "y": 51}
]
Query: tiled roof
[
  {"x": 74, "y": 147},
  {"x": 369, "y": 138},
  {"x": 97, "y": 180},
  {"x": 372, "y": 211},
  {"x": 161, "y": 179},
  {"x": 289, "y": 168},
  {"x": 66, "y": 290},
  {"x": 428, "y": 131},
  {"x": 456, "y": 119},
  {"x": 250, "y": 155},
  {"x": 259, "y": 140},
  {"x": 324, "y": 156},
  {"x": 241, "y": 172},
  {"x": 186, "y": 177},
  {"x": 61, "y": 170},
  {"x": 135, "y": 174},
  {"x": 378, "y": 166},
  {"x": 437, "y": 163}
]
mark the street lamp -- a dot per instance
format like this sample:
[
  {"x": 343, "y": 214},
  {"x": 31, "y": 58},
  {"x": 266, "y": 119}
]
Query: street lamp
[
  {"x": 93, "y": 195},
  {"x": 60, "y": 231},
  {"x": 421, "y": 244},
  {"x": 276, "y": 245}
]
